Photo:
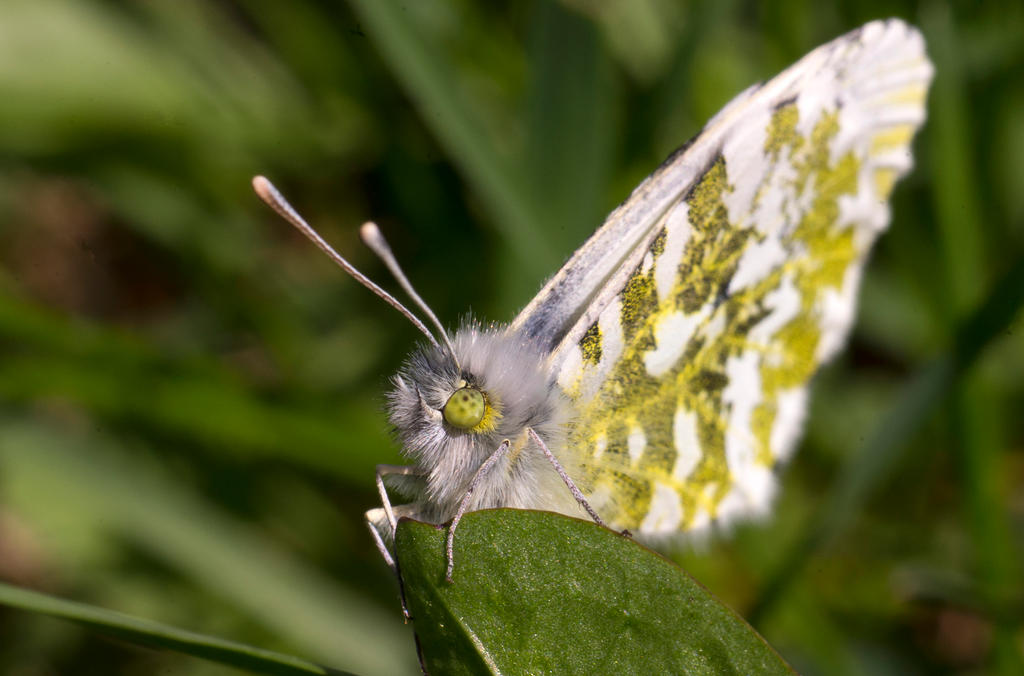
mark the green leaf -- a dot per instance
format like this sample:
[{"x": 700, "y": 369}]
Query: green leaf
[
  {"x": 154, "y": 634},
  {"x": 535, "y": 592}
]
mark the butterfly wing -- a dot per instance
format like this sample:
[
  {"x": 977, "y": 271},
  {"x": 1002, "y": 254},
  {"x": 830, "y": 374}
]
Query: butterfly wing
[
  {"x": 689, "y": 325},
  {"x": 598, "y": 264}
]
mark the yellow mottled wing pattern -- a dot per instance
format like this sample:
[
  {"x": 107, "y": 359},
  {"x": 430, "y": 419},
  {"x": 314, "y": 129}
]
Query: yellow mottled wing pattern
[{"x": 689, "y": 371}]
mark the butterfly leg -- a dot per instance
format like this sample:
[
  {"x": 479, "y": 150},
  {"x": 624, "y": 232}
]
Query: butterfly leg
[
  {"x": 385, "y": 501},
  {"x": 373, "y": 519},
  {"x": 373, "y": 522},
  {"x": 464, "y": 505},
  {"x": 576, "y": 492}
]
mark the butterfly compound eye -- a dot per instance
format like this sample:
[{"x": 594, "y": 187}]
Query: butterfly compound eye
[{"x": 465, "y": 408}]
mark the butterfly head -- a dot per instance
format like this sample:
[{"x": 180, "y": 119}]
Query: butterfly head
[
  {"x": 457, "y": 397},
  {"x": 450, "y": 412}
]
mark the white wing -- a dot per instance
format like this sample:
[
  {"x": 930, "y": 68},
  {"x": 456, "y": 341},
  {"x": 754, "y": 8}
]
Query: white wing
[{"x": 690, "y": 322}]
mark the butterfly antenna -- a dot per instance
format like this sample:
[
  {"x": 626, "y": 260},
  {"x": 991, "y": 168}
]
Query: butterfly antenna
[
  {"x": 374, "y": 238},
  {"x": 269, "y": 194}
]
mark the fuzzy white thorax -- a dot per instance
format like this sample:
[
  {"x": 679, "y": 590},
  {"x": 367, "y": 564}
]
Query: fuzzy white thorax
[{"x": 513, "y": 375}]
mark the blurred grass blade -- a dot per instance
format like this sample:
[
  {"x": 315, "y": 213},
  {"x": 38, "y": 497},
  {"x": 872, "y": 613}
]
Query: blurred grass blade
[
  {"x": 958, "y": 213},
  {"x": 102, "y": 370},
  {"x": 570, "y": 139},
  {"x": 91, "y": 479},
  {"x": 536, "y": 592},
  {"x": 156, "y": 635},
  {"x": 642, "y": 34},
  {"x": 888, "y": 444},
  {"x": 431, "y": 84},
  {"x": 978, "y": 451}
]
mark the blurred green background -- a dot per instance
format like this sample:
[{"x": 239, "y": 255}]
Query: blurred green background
[{"x": 191, "y": 394}]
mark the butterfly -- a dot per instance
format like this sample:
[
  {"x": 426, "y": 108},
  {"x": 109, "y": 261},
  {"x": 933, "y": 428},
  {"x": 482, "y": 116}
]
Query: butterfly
[{"x": 660, "y": 377}]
